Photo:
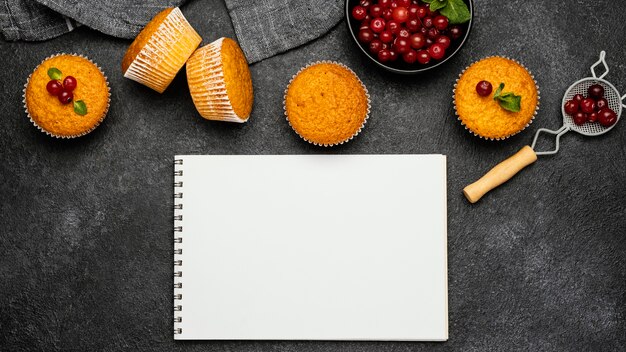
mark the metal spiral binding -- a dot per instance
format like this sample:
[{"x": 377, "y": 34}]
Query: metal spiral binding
[{"x": 178, "y": 251}]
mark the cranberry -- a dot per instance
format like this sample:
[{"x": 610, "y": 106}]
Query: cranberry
[
  {"x": 388, "y": 14},
  {"x": 377, "y": 25},
  {"x": 483, "y": 88},
  {"x": 423, "y": 57},
  {"x": 393, "y": 56},
  {"x": 375, "y": 46},
  {"x": 65, "y": 97},
  {"x": 437, "y": 51},
  {"x": 385, "y": 36},
  {"x": 384, "y": 3},
  {"x": 54, "y": 87},
  {"x": 595, "y": 91},
  {"x": 376, "y": 11},
  {"x": 433, "y": 33},
  {"x": 588, "y": 105},
  {"x": 578, "y": 97},
  {"x": 422, "y": 11},
  {"x": 384, "y": 55},
  {"x": 455, "y": 32},
  {"x": 364, "y": 25},
  {"x": 440, "y": 22},
  {"x": 417, "y": 40},
  {"x": 580, "y": 118},
  {"x": 69, "y": 83},
  {"x": 359, "y": 13},
  {"x": 444, "y": 40},
  {"x": 393, "y": 27},
  {"x": 601, "y": 104},
  {"x": 404, "y": 3},
  {"x": 366, "y": 3},
  {"x": 404, "y": 33},
  {"x": 607, "y": 117},
  {"x": 427, "y": 22},
  {"x": 413, "y": 24},
  {"x": 413, "y": 11},
  {"x": 593, "y": 117},
  {"x": 366, "y": 36},
  {"x": 424, "y": 30},
  {"x": 571, "y": 107},
  {"x": 428, "y": 12},
  {"x": 410, "y": 56},
  {"x": 400, "y": 14},
  {"x": 394, "y": 4},
  {"x": 401, "y": 45}
]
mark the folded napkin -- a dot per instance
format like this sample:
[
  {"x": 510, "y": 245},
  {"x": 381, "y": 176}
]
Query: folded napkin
[{"x": 264, "y": 27}]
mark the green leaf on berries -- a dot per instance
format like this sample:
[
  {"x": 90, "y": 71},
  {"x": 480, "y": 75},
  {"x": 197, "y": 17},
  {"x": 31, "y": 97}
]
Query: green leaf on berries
[
  {"x": 456, "y": 11},
  {"x": 508, "y": 101},
  {"x": 54, "y": 73},
  {"x": 80, "y": 107},
  {"x": 437, "y": 4}
]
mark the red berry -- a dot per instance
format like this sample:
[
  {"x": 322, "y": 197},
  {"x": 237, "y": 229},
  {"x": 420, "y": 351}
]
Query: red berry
[
  {"x": 393, "y": 27},
  {"x": 422, "y": 11},
  {"x": 588, "y": 105},
  {"x": 483, "y": 88},
  {"x": 601, "y": 104},
  {"x": 607, "y": 117},
  {"x": 366, "y": 35},
  {"x": 593, "y": 117},
  {"x": 578, "y": 97},
  {"x": 404, "y": 33},
  {"x": 437, "y": 51},
  {"x": 387, "y": 14},
  {"x": 404, "y": 3},
  {"x": 54, "y": 87},
  {"x": 377, "y": 25},
  {"x": 69, "y": 83},
  {"x": 417, "y": 40},
  {"x": 455, "y": 32},
  {"x": 393, "y": 56},
  {"x": 413, "y": 11},
  {"x": 364, "y": 25},
  {"x": 580, "y": 118},
  {"x": 384, "y": 3},
  {"x": 433, "y": 33},
  {"x": 365, "y": 3},
  {"x": 410, "y": 56},
  {"x": 375, "y": 46},
  {"x": 440, "y": 22},
  {"x": 427, "y": 22},
  {"x": 385, "y": 36},
  {"x": 571, "y": 107},
  {"x": 400, "y": 14},
  {"x": 384, "y": 55},
  {"x": 401, "y": 45},
  {"x": 376, "y": 11},
  {"x": 444, "y": 40},
  {"x": 359, "y": 13},
  {"x": 595, "y": 91},
  {"x": 65, "y": 97},
  {"x": 413, "y": 24},
  {"x": 423, "y": 57}
]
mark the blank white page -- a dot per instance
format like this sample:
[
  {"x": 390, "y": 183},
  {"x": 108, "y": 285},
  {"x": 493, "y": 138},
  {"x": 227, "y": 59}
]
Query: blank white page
[{"x": 312, "y": 247}]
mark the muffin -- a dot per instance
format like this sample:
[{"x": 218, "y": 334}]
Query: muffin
[
  {"x": 85, "y": 101},
  {"x": 220, "y": 82},
  {"x": 486, "y": 117},
  {"x": 160, "y": 50},
  {"x": 326, "y": 104}
]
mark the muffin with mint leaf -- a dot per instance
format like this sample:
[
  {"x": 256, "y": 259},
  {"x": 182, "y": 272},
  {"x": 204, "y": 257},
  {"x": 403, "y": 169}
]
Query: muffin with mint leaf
[
  {"x": 67, "y": 96},
  {"x": 496, "y": 98}
]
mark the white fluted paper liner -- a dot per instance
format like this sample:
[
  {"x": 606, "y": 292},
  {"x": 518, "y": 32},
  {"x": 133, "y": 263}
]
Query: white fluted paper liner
[
  {"x": 62, "y": 136},
  {"x": 207, "y": 86},
  {"x": 165, "y": 53},
  {"x": 367, "y": 114},
  {"x": 505, "y": 137}
]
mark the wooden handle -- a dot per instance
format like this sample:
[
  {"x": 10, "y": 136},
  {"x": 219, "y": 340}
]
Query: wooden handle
[{"x": 500, "y": 174}]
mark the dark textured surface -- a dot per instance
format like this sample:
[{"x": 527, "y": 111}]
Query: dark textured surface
[{"x": 539, "y": 264}]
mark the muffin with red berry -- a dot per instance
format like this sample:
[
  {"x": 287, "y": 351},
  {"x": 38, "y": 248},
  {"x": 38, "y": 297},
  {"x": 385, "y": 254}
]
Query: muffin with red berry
[
  {"x": 496, "y": 98},
  {"x": 67, "y": 96},
  {"x": 409, "y": 35}
]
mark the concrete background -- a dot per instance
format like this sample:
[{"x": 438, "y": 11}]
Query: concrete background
[{"x": 539, "y": 264}]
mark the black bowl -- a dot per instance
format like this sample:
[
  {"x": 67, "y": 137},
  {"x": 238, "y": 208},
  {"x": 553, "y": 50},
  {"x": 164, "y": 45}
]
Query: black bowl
[{"x": 400, "y": 66}]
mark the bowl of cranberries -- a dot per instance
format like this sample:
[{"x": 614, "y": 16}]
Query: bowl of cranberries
[{"x": 406, "y": 36}]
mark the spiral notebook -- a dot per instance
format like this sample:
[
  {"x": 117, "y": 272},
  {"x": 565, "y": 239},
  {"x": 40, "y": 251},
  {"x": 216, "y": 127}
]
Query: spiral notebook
[{"x": 310, "y": 247}]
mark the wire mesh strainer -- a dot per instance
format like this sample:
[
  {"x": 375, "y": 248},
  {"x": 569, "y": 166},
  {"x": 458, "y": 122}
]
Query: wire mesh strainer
[{"x": 527, "y": 155}]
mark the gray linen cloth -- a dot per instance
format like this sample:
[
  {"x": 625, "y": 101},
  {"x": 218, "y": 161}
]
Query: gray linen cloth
[{"x": 264, "y": 28}]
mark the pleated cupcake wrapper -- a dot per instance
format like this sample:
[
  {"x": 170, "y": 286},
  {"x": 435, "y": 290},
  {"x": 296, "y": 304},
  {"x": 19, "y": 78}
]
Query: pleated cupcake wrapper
[
  {"x": 165, "y": 53},
  {"x": 76, "y": 135},
  {"x": 205, "y": 70},
  {"x": 362, "y": 85},
  {"x": 513, "y": 134}
]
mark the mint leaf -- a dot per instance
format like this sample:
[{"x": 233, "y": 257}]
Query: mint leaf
[
  {"x": 508, "y": 101},
  {"x": 80, "y": 107},
  {"x": 438, "y": 4},
  {"x": 456, "y": 11},
  {"x": 54, "y": 73}
]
